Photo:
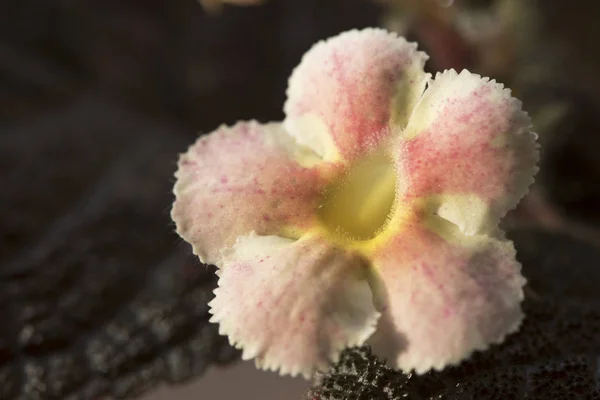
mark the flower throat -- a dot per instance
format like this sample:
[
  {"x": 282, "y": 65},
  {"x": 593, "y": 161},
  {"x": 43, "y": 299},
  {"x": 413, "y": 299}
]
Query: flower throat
[{"x": 357, "y": 205}]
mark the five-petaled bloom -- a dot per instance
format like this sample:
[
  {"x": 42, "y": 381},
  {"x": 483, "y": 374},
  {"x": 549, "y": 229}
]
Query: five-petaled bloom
[{"x": 369, "y": 215}]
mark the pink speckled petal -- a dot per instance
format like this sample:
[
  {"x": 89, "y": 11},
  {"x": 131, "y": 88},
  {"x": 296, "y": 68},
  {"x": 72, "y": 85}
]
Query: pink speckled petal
[
  {"x": 469, "y": 149},
  {"x": 293, "y": 305},
  {"x": 240, "y": 179},
  {"x": 349, "y": 90},
  {"x": 444, "y": 295}
]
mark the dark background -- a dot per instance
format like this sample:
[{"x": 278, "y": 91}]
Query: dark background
[{"x": 98, "y": 296}]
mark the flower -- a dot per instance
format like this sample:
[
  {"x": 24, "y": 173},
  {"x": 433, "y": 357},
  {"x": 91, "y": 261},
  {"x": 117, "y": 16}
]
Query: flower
[{"x": 368, "y": 215}]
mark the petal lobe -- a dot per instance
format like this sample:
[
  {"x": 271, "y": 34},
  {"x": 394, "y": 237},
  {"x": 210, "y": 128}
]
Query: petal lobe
[
  {"x": 293, "y": 305},
  {"x": 355, "y": 89},
  {"x": 444, "y": 295},
  {"x": 468, "y": 142},
  {"x": 249, "y": 177}
]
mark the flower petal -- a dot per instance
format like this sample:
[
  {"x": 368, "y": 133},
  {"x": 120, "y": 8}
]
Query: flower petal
[
  {"x": 293, "y": 305},
  {"x": 469, "y": 149},
  {"x": 348, "y": 89},
  {"x": 240, "y": 179},
  {"x": 444, "y": 295}
]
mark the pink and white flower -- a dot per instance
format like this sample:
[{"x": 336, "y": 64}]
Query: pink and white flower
[{"x": 369, "y": 215}]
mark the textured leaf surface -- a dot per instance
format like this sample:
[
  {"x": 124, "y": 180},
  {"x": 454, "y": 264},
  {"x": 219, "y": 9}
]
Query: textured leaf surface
[
  {"x": 554, "y": 355},
  {"x": 98, "y": 296}
]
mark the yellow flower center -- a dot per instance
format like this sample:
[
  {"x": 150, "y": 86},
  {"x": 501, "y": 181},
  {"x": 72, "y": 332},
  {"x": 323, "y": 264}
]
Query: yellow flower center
[{"x": 359, "y": 203}]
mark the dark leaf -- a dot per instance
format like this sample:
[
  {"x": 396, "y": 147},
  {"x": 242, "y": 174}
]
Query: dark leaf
[{"x": 98, "y": 296}]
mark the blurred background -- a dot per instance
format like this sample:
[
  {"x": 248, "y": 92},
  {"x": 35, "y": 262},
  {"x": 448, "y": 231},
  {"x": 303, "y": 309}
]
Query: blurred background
[{"x": 98, "y": 296}]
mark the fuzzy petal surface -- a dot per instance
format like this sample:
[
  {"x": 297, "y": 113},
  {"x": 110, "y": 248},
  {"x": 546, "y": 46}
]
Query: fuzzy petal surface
[
  {"x": 293, "y": 305},
  {"x": 468, "y": 150},
  {"x": 443, "y": 295},
  {"x": 349, "y": 90},
  {"x": 249, "y": 177}
]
